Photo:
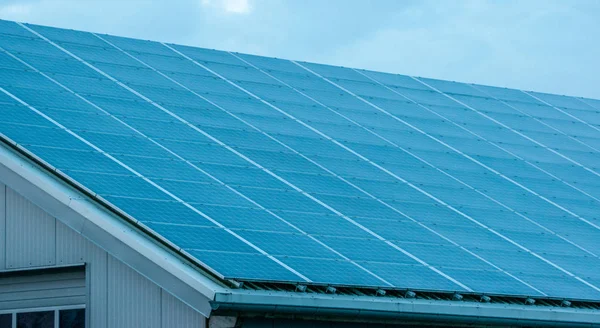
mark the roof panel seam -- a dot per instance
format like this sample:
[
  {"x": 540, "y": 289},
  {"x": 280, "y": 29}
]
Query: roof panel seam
[
  {"x": 139, "y": 174},
  {"x": 386, "y": 204},
  {"x": 310, "y": 196},
  {"x": 451, "y": 207}
]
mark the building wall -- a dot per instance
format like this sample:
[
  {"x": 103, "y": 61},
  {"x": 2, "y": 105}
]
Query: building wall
[{"x": 118, "y": 296}]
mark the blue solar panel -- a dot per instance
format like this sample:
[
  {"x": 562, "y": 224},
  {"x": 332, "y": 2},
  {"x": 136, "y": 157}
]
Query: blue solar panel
[
  {"x": 245, "y": 266},
  {"x": 412, "y": 275},
  {"x": 329, "y": 271},
  {"x": 16, "y": 115},
  {"x": 494, "y": 281},
  {"x": 159, "y": 211},
  {"x": 271, "y": 170}
]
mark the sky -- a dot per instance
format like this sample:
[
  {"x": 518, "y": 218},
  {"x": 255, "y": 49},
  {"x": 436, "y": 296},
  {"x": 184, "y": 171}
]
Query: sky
[{"x": 542, "y": 45}]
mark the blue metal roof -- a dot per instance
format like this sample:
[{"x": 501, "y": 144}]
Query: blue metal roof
[{"x": 273, "y": 170}]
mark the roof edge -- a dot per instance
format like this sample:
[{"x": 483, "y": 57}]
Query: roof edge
[
  {"x": 377, "y": 309},
  {"x": 90, "y": 218},
  {"x": 85, "y": 215}
]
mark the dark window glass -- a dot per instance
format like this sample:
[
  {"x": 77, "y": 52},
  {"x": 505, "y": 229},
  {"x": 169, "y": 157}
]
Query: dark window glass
[
  {"x": 43, "y": 319},
  {"x": 6, "y": 320},
  {"x": 74, "y": 318}
]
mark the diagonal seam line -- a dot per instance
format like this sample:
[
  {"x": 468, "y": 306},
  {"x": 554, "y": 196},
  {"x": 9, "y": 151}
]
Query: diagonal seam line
[
  {"x": 241, "y": 194},
  {"x": 504, "y": 176},
  {"x": 327, "y": 170},
  {"x": 137, "y": 173},
  {"x": 216, "y": 179},
  {"x": 310, "y": 196},
  {"x": 509, "y": 128},
  {"x": 62, "y": 127},
  {"x": 337, "y": 176},
  {"x": 585, "y": 101},
  {"x": 548, "y": 125},
  {"x": 420, "y": 159},
  {"x": 450, "y": 207},
  {"x": 562, "y": 111},
  {"x": 539, "y": 168},
  {"x": 537, "y": 119},
  {"x": 136, "y": 131},
  {"x": 425, "y": 162},
  {"x": 478, "y": 162},
  {"x": 492, "y": 170}
]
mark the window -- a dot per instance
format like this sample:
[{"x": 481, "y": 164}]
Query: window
[
  {"x": 44, "y": 318},
  {"x": 41, "y": 319},
  {"x": 74, "y": 318},
  {"x": 6, "y": 320}
]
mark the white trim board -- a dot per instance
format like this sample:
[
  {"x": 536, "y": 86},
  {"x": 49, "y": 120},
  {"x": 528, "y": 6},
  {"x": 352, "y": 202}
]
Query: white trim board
[{"x": 107, "y": 231}]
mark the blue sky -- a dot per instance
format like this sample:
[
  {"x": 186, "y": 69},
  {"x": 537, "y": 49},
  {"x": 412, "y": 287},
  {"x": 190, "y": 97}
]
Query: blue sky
[{"x": 549, "y": 46}]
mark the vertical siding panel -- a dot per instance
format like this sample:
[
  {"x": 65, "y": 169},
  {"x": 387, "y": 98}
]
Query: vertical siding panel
[
  {"x": 118, "y": 296},
  {"x": 175, "y": 313},
  {"x": 97, "y": 269},
  {"x": 133, "y": 301},
  {"x": 2, "y": 226},
  {"x": 71, "y": 247},
  {"x": 30, "y": 234}
]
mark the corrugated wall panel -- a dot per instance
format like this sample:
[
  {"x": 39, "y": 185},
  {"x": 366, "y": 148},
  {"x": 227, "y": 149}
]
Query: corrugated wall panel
[
  {"x": 71, "y": 247},
  {"x": 117, "y": 296},
  {"x": 133, "y": 301},
  {"x": 175, "y": 313},
  {"x": 97, "y": 275},
  {"x": 30, "y": 234},
  {"x": 2, "y": 226}
]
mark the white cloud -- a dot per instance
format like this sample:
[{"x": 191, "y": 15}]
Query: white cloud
[
  {"x": 229, "y": 6},
  {"x": 237, "y": 6}
]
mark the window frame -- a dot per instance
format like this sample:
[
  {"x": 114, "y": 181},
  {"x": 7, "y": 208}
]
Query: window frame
[{"x": 56, "y": 310}]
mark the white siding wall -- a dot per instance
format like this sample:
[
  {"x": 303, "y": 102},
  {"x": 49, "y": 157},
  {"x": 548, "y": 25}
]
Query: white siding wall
[
  {"x": 128, "y": 290},
  {"x": 2, "y": 226},
  {"x": 118, "y": 296},
  {"x": 30, "y": 234},
  {"x": 175, "y": 313}
]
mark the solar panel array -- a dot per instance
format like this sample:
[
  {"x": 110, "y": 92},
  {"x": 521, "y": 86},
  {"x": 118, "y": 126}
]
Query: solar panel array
[{"x": 275, "y": 170}]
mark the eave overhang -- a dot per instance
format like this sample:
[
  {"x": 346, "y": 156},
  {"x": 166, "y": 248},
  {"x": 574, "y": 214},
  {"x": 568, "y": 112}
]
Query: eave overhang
[
  {"x": 46, "y": 188},
  {"x": 121, "y": 239},
  {"x": 390, "y": 310}
]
